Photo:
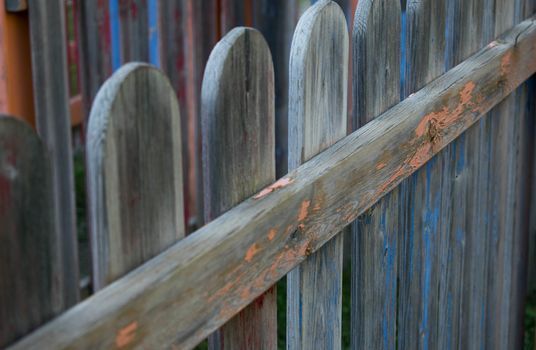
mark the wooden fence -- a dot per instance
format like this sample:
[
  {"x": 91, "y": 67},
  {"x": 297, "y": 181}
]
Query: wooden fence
[{"x": 435, "y": 183}]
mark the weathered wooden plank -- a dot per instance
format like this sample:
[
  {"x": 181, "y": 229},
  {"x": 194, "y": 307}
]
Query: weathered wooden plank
[
  {"x": 30, "y": 249},
  {"x": 239, "y": 159},
  {"x": 423, "y": 258},
  {"x": 342, "y": 182},
  {"x": 188, "y": 33},
  {"x": 134, "y": 29},
  {"x": 95, "y": 56},
  {"x": 134, "y": 171},
  {"x": 317, "y": 119},
  {"x": 51, "y": 95},
  {"x": 276, "y": 20},
  {"x": 501, "y": 200},
  {"x": 376, "y": 88}
]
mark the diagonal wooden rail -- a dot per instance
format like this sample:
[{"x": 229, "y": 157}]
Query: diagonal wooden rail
[{"x": 185, "y": 293}]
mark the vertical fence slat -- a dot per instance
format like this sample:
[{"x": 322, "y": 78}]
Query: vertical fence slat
[
  {"x": 317, "y": 119},
  {"x": 134, "y": 171},
  {"x": 422, "y": 304},
  {"x": 501, "y": 199},
  {"x": 95, "y": 57},
  {"x": 376, "y": 87},
  {"x": 239, "y": 159},
  {"x": 133, "y": 17},
  {"x": 30, "y": 248},
  {"x": 51, "y": 94},
  {"x": 276, "y": 20}
]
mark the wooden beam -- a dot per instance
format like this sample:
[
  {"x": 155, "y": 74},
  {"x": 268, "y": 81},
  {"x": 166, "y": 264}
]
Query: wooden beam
[{"x": 207, "y": 274}]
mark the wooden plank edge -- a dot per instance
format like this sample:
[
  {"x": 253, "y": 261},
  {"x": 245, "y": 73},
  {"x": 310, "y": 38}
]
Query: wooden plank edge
[{"x": 266, "y": 236}]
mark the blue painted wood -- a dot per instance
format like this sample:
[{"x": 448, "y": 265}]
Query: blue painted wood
[
  {"x": 154, "y": 32},
  {"x": 115, "y": 34},
  {"x": 376, "y": 87},
  {"x": 421, "y": 318}
]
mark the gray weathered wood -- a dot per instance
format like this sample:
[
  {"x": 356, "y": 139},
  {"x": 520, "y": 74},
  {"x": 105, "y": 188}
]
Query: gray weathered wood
[
  {"x": 94, "y": 48},
  {"x": 501, "y": 201},
  {"x": 134, "y": 171},
  {"x": 423, "y": 311},
  {"x": 317, "y": 119},
  {"x": 276, "y": 20},
  {"x": 376, "y": 87},
  {"x": 30, "y": 250},
  {"x": 239, "y": 159},
  {"x": 134, "y": 30},
  {"x": 51, "y": 94},
  {"x": 207, "y": 273}
]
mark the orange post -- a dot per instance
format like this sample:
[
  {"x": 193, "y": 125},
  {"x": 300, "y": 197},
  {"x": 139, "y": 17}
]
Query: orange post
[{"x": 16, "y": 96}]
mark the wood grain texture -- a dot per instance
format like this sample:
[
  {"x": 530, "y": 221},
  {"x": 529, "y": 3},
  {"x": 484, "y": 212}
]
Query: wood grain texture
[
  {"x": 134, "y": 171},
  {"x": 51, "y": 95},
  {"x": 239, "y": 159},
  {"x": 423, "y": 311},
  {"x": 94, "y": 45},
  {"x": 188, "y": 34},
  {"x": 501, "y": 200},
  {"x": 30, "y": 249},
  {"x": 376, "y": 88},
  {"x": 276, "y": 20},
  {"x": 207, "y": 274},
  {"x": 317, "y": 119},
  {"x": 134, "y": 30}
]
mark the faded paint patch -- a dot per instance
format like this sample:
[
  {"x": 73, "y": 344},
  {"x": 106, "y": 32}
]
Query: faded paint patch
[
  {"x": 271, "y": 234},
  {"x": 381, "y": 166},
  {"x": 506, "y": 63},
  {"x": 304, "y": 210},
  {"x": 431, "y": 125},
  {"x": 253, "y": 249},
  {"x": 273, "y": 187},
  {"x": 126, "y": 335}
]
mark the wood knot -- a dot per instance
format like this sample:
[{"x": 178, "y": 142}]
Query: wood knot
[
  {"x": 309, "y": 249},
  {"x": 433, "y": 131}
]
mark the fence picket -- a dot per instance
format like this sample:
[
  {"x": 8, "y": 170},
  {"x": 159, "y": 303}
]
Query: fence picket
[
  {"x": 134, "y": 171},
  {"x": 423, "y": 247},
  {"x": 95, "y": 56},
  {"x": 237, "y": 102},
  {"x": 376, "y": 87},
  {"x": 53, "y": 122},
  {"x": 30, "y": 247},
  {"x": 317, "y": 119}
]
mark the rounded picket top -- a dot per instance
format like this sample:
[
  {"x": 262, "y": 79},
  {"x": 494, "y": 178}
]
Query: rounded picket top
[
  {"x": 30, "y": 255},
  {"x": 134, "y": 171},
  {"x": 318, "y": 82},
  {"x": 376, "y": 58},
  {"x": 238, "y": 129},
  {"x": 238, "y": 117}
]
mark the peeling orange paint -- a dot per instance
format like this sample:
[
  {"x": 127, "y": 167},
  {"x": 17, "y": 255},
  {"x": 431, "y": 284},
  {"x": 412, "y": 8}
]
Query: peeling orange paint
[
  {"x": 271, "y": 234},
  {"x": 126, "y": 335},
  {"x": 432, "y": 124},
  {"x": 381, "y": 166},
  {"x": 254, "y": 249},
  {"x": 446, "y": 117},
  {"x": 304, "y": 210},
  {"x": 273, "y": 187}
]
